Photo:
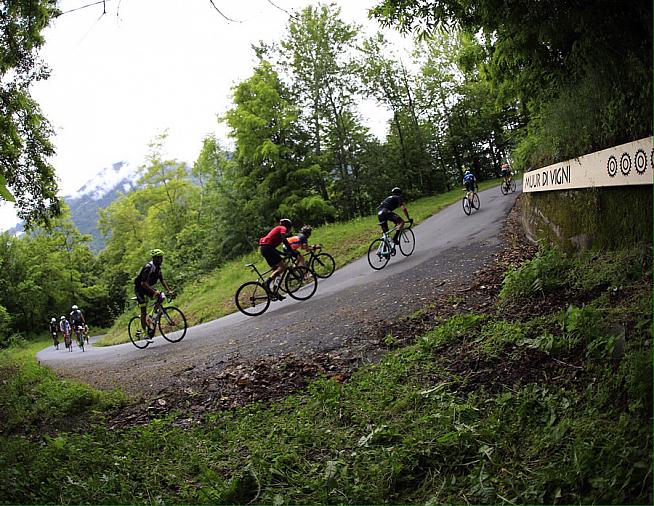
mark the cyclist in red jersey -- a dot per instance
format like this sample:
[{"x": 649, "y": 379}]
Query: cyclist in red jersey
[{"x": 268, "y": 244}]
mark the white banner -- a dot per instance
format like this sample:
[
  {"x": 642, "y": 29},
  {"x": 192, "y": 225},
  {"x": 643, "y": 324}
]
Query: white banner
[{"x": 627, "y": 164}]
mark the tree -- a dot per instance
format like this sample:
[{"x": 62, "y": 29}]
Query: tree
[
  {"x": 24, "y": 132},
  {"x": 581, "y": 71}
]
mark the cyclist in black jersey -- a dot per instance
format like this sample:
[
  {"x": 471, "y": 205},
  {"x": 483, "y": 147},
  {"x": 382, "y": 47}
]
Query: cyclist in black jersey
[
  {"x": 150, "y": 274},
  {"x": 76, "y": 318},
  {"x": 385, "y": 212}
]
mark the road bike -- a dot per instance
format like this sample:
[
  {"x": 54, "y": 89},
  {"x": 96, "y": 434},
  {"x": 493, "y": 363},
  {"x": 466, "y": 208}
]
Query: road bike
[
  {"x": 381, "y": 250},
  {"x": 470, "y": 202},
  {"x": 68, "y": 341},
  {"x": 79, "y": 334},
  {"x": 55, "y": 339},
  {"x": 253, "y": 298},
  {"x": 170, "y": 320},
  {"x": 508, "y": 185},
  {"x": 322, "y": 264}
]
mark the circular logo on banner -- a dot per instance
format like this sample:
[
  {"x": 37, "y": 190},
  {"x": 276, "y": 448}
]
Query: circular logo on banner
[
  {"x": 625, "y": 164},
  {"x": 640, "y": 161},
  {"x": 612, "y": 166}
]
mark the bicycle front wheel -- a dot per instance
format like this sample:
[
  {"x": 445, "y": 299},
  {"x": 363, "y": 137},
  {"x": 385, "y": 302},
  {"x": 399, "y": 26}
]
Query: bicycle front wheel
[
  {"x": 504, "y": 187},
  {"x": 475, "y": 201},
  {"x": 136, "y": 334},
  {"x": 467, "y": 208},
  {"x": 378, "y": 254},
  {"x": 252, "y": 299},
  {"x": 407, "y": 242},
  {"x": 513, "y": 186},
  {"x": 323, "y": 265},
  {"x": 80, "y": 342},
  {"x": 172, "y": 324},
  {"x": 300, "y": 277}
]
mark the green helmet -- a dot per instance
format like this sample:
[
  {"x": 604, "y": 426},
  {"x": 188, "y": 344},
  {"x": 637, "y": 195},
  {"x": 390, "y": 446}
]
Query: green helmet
[{"x": 157, "y": 253}]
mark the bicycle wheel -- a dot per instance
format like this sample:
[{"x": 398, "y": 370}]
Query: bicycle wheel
[
  {"x": 475, "y": 201},
  {"x": 172, "y": 324},
  {"x": 136, "y": 334},
  {"x": 407, "y": 242},
  {"x": 377, "y": 255},
  {"x": 467, "y": 208},
  {"x": 323, "y": 265},
  {"x": 80, "y": 342},
  {"x": 513, "y": 186},
  {"x": 504, "y": 188},
  {"x": 298, "y": 277},
  {"x": 252, "y": 299}
]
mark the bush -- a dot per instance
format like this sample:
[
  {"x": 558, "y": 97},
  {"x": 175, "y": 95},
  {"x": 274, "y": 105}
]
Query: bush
[{"x": 543, "y": 274}]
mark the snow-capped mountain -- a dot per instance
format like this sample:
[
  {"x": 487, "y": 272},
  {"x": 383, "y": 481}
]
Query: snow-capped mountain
[
  {"x": 121, "y": 175},
  {"x": 97, "y": 193}
]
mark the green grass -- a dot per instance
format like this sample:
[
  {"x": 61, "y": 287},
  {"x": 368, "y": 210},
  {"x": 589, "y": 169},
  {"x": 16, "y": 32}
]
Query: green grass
[
  {"x": 212, "y": 296},
  {"x": 406, "y": 430}
]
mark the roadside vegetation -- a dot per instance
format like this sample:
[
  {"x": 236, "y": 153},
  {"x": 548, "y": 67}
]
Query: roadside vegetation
[{"x": 544, "y": 398}]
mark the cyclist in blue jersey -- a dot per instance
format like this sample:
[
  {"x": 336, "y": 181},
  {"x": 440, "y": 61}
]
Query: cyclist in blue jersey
[{"x": 470, "y": 183}]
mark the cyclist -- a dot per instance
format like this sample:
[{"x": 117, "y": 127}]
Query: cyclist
[
  {"x": 147, "y": 277},
  {"x": 65, "y": 329},
  {"x": 505, "y": 171},
  {"x": 470, "y": 183},
  {"x": 301, "y": 241},
  {"x": 54, "y": 332},
  {"x": 267, "y": 245},
  {"x": 385, "y": 212},
  {"x": 77, "y": 320}
]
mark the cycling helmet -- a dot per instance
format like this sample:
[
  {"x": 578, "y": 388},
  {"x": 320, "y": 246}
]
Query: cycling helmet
[
  {"x": 396, "y": 191},
  {"x": 62, "y": 317},
  {"x": 53, "y": 320},
  {"x": 306, "y": 230},
  {"x": 74, "y": 308},
  {"x": 156, "y": 253},
  {"x": 286, "y": 222}
]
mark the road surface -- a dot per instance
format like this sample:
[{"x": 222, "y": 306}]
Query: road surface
[{"x": 449, "y": 246}]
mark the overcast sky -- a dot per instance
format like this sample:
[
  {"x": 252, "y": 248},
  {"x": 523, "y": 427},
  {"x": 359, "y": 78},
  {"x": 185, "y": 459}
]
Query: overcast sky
[{"x": 119, "y": 79}]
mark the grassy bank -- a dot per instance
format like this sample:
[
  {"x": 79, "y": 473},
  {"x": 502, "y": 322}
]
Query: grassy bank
[
  {"x": 212, "y": 296},
  {"x": 545, "y": 399}
]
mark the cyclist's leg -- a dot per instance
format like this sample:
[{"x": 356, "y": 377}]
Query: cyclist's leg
[{"x": 276, "y": 263}]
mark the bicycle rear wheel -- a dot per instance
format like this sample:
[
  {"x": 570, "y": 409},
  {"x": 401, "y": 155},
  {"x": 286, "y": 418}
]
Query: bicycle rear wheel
[
  {"x": 323, "y": 265},
  {"x": 407, "y": 242},
  {"x": 513, "y": 186},
  {"x": 136, "y": 334},
  {"x": 378, "y": 257},
  {"x": 475, "y": 201},
  {"x": 80, "y": 342},
  {"x": 298, "y": 277},
  {"x": 252, "y": 298},
  {"x": 467, "y": 208}
]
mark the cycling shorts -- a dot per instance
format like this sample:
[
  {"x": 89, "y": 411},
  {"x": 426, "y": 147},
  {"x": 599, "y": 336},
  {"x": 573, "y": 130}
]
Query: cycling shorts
[
  {"x": 385, "y": 215},
  {"x": 470, "y": 187},
  {"x": 75, "y": 325},
  {"x": 272, "y": 256},
  {"x": 141, "y": 296}
]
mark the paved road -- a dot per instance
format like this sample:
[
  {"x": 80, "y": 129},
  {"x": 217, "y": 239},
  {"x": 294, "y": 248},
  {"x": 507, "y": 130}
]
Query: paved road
[{"x": 449, "y": 245}]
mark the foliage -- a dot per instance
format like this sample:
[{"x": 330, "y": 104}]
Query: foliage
[
  {"x": 404, "y": 430},
  {"x": 557, "y": 62},
  {"x": 24, "y": 132},
  {"x": 541, "y": 275}
]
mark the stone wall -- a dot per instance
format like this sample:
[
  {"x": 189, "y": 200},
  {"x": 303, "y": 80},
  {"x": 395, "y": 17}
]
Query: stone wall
[{"x": 603, "y": 218}]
